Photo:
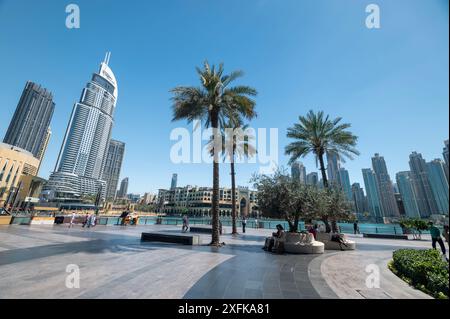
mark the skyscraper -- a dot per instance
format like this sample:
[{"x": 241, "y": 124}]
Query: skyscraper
[
  {"x": 422, "y": 188},
  {"x": 44, "y": 145},
  {"x": 446, "y": 163},
  {"x": 344, "y": 182},
  {"x": 298, "y": 172},
  {"x": 358, "y": 198},
  {"x": 113, "y": 166},
  {"x": 312, "y": 179},
  {"x": 302, "y": 173},
  {"x": 29, "y": 126},
  {"x": 123, "y": 190},
  {"x": 407, "y": 192},
  {"x": 439, "y": 185},
  {"x": 385, "y": 187},
  {"x": 333, "y": 168},
  {"x": 173, "y": 183},
  {"x": 81, "y": 161},
  {"x": 373, "y": 196}
]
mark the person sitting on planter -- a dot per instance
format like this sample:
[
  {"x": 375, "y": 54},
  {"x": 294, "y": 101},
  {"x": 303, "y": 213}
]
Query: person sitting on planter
[
  {"x": 340, "y": 239},
  {"x": 271, "y": 241}
]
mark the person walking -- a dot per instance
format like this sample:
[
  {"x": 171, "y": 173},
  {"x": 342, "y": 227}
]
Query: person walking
[
  {"x": 244, "y": 223},
  {"x": 436, "y": 237},
  {"x": 86, "y": 220},
  {"x": 185, "y": 224},
  {"x": 356, "y": 227},
  {"x": 72, "y": 219},
  {"x": 93, "y": 220}
]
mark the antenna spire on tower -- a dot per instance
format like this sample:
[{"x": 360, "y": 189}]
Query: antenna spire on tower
[{"x": 107, "y": 57}]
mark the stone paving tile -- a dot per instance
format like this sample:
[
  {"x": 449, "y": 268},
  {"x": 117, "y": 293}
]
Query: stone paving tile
[{"x": 114, "y": 263}]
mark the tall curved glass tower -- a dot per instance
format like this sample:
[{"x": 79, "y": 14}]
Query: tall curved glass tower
[{"x": 82, "y": 157}]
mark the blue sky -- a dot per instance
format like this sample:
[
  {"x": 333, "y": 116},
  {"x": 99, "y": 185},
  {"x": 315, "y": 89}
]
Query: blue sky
[{"x": 390, "y": 83}]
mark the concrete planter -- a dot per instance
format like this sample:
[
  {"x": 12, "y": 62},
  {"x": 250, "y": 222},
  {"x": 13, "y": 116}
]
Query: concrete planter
[
  {"x": 42, "y": 220},
  {"x": 5, "y": 220},
  {"x": 17, "y": 220}
]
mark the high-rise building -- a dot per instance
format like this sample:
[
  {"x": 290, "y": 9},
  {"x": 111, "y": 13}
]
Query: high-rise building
[
  {"x": 81, "y": 161},
  {"x": 295, "y": 171},
  {"x": 28, "y": 128},
  {"x": 446, "y": 163},
  {"x": 358, "y": 198},
  {"x": 44, "y": 145},
  {"x": 173, "y": 183},
  {"x": 333, "y": 168},
  {"x": 373, "y": 196},
  {"x": 123, "y": 190},
  {"x": 312, "y": 179},
  {"x": 344, "y": 182},
  {"x": 407, "y": 192},
  {"x": 298, "y": 172},
  {"x": 113, "y": 166},
  {"x": 400, "y": 204},
  {"x": 439, "y": 185},
  {"x": 385, "y": 187},
  {"x": 422, "y": 188}
]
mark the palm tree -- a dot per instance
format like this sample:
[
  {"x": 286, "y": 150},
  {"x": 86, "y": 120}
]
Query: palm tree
[
  {"x": 318, "y": 134},
  {"x": 236, "y": 141},
  {"x": 215, "y": 103}
]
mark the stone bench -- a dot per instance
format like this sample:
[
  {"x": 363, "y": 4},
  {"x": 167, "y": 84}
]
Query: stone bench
[
  {"x": 386, "y": 236},
  {"x": 185, "y": 239},
  {"x": 201, "y": 229}
]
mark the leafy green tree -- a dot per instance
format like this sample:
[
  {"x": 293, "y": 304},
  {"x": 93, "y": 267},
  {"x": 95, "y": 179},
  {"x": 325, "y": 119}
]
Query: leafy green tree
[
  {"x": 279, "y": 195},
  {"x": 214, "y": 102}
]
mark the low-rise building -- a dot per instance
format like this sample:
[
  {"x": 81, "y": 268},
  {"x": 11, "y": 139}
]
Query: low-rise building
[
  {"x": 197, "y": 201},
  {"x": 15, "y": 165}
]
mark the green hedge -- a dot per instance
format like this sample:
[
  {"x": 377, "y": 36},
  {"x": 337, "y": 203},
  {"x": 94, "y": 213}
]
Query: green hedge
[{"x": 424, "y": 269}]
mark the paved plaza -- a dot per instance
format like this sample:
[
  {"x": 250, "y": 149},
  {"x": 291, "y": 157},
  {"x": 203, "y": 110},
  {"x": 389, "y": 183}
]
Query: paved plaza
[{"x": 114, "y": 263}]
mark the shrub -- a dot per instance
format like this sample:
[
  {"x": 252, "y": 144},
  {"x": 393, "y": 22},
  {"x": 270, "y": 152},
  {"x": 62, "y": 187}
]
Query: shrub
[{"x": 424, "y": 269}]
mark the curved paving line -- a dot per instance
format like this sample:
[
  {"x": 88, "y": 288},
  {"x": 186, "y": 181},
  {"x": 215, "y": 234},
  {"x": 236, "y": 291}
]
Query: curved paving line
[{"x": 256, "y": 275}]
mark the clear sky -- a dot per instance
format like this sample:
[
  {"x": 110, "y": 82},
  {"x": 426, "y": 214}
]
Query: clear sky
[{"x": 390, "y": 83}]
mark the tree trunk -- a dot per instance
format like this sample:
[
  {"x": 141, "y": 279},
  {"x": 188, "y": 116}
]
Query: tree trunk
[
  {"x": 293, "y": 225},
  {"x": 334, "y": 226},
  {"x": 233, "y": 197},
  {"x": 215, "y": 240},
  {"x": 322, "y": 169},
  {"x": 327, "y": 225}
]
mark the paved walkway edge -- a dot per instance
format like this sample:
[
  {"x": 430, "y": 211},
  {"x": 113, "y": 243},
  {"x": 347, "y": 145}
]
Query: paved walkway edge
[{"x": 317, "y": 281}]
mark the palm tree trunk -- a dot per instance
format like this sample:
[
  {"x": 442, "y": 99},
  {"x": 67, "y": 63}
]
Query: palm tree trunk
[
  {"x": 233, "y": 198},
  {"x": 215, "y": 240},
  {"x": 322, "y": 169}
]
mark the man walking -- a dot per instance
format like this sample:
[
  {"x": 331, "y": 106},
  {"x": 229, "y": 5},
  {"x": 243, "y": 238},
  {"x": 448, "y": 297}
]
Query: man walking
[
  {"x": 244, "y": 223},
  {"x": 356, "y": 227},
  {"x": 185, "y": 224},
  {"x": 436, "y": 237},
  {"x": 72, "y": 219}
]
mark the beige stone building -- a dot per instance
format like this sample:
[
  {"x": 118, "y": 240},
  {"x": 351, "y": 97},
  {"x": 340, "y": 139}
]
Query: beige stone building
[
  {"x": 196, "y": 201},
  {"x": 15, "y": 165}
]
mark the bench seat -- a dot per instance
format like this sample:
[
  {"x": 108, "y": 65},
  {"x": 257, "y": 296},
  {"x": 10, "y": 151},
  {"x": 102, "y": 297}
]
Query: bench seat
[{"x": 185, "y": 239}]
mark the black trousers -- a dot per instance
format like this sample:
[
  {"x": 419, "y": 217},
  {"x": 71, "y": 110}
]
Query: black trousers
[
  {"x": 243, "y": 228},
  {"x": 441, "y": 243}
]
